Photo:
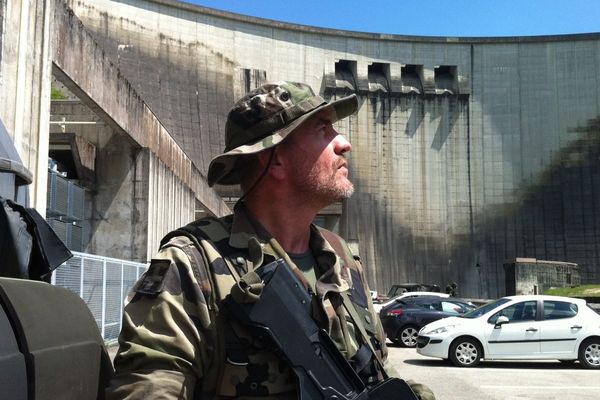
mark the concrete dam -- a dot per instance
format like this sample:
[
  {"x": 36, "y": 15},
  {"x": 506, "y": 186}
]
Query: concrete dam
[{"x": 466, "y": 151}]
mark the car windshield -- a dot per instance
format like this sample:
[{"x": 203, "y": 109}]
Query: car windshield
[{"x": 478, "y": 312}]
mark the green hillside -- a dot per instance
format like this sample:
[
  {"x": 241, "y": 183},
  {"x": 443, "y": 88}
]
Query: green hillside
[{"x": 577, "y": 291}]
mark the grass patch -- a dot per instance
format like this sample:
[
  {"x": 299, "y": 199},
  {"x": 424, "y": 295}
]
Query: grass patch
[
  {"x": 57, "y": 94},
  {"x": 577, "y": 291}
]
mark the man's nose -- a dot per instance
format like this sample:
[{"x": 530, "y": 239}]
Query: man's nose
[{"x": 342, "y": 145}]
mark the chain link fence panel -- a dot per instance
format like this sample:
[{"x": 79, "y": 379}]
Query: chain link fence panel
[{"x": 103, "y": 283}]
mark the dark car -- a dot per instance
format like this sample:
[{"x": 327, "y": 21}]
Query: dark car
[{"x": 403, "y": 319}]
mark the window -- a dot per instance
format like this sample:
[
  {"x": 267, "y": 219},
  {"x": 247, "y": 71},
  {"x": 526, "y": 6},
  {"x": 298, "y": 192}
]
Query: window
[
  {"x": 345, "y": 73},
  {"x": 559, "y": 309},
  {"x": 419, "y": 302},
  {"x": 524, "y": 311},
  {"x": 445, "y": 78},
  {"x": 479, "y": 311},
  {"x": 378, "y": 74},
  {"x": 411, "y": 76},
  {"x": 452, "y": 308}
]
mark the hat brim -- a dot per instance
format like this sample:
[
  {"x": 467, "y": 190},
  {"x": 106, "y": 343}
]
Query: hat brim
[{"x": 221, "y": 168}]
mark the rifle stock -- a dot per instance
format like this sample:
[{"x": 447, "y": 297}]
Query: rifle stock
[{"x": 283, "y": 312}]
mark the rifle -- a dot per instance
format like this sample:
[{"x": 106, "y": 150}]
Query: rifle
[{"x": 282, "y": 313}]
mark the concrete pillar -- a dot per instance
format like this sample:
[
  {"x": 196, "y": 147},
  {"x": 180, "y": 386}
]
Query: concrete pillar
[
  {"x": 115, "y": 212},
  {"x": 25, "y": 85}
]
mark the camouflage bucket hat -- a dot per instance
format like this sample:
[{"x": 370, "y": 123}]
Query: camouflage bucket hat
[{"x": 265, "y": 117}]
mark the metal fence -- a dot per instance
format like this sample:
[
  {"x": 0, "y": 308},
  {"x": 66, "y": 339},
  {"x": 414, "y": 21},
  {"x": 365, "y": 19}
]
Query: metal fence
[{"x": 103, "y": 283}]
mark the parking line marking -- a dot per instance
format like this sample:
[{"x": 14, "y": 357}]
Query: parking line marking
[{"x": 541, "y": 387}]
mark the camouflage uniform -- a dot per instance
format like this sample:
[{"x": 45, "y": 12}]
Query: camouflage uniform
[
  {"x": 177, "y": 343},
  {"x": 177, "y": 340}
]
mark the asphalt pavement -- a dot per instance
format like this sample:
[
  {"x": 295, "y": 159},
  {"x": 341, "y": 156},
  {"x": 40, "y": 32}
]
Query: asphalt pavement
[
  {"x": 492, "y": 380},
  {"x": 498, "y": 380}
]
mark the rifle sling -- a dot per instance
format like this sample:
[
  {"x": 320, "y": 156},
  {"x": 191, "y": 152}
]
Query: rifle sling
[{"x": 349, "y": 306}]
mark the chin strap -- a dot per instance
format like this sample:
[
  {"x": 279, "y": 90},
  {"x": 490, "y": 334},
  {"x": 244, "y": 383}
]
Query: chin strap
[{"x": 260, "y": 178}]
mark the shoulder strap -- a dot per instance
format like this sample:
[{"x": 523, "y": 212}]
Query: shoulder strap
[
  {"x": 349, "y": 306},
  {"x": 197, "y": 231},
  {"x": 248, "y": 286},
  {"x": 336, "y": 243}
]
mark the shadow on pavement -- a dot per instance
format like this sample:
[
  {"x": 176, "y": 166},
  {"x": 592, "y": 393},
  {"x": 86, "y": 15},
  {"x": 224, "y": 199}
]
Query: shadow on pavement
[{"x": 500, "y": 364}]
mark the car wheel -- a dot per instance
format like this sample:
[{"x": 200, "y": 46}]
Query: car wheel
[
  {"x": 589, "y": 353},
  {"x": 465, "y": 352},
  {"x": 408, "y": 336}
]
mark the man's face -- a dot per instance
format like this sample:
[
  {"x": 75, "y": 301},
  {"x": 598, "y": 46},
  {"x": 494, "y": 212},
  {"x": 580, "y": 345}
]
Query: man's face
[{"x": 318, "y": 166}]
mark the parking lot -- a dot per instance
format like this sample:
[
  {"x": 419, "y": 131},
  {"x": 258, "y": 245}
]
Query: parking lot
[
  {"x": 531, "y": 380},
  {"x": 494, "y": 380}
]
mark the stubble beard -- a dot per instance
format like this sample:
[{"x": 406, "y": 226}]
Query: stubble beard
[{"x": 327, "y": 189}]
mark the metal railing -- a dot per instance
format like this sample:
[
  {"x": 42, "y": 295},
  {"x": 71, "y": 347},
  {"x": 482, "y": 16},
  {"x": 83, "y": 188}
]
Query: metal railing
[{"x": 103, "y": 283}]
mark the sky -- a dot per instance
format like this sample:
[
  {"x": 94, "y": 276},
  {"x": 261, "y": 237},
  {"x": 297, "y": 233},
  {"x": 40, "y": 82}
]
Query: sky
[{"x": 455, "y": 18}]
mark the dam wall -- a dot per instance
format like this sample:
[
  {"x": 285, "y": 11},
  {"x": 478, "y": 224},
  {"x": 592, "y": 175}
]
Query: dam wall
[{"x": 466, "y": 152}]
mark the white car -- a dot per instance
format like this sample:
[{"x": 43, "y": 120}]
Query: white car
[
  {"x": 517, "y": 328},
  {"x": 379, "y": 306}
]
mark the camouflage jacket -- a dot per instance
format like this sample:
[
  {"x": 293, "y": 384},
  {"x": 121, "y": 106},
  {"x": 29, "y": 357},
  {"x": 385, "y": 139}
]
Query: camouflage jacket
[{"x": 176, "y": 341}]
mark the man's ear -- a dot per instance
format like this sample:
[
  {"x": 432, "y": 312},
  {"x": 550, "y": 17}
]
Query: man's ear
[{"x": 273, "y": 160}]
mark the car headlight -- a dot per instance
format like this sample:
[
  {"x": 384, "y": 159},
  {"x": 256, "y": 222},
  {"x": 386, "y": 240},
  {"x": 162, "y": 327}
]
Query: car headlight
[{"x": 439, "y": 330}]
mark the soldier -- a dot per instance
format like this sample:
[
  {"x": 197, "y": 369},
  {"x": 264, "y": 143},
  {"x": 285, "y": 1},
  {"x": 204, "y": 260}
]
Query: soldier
[{"x": 177, "y": 341}]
